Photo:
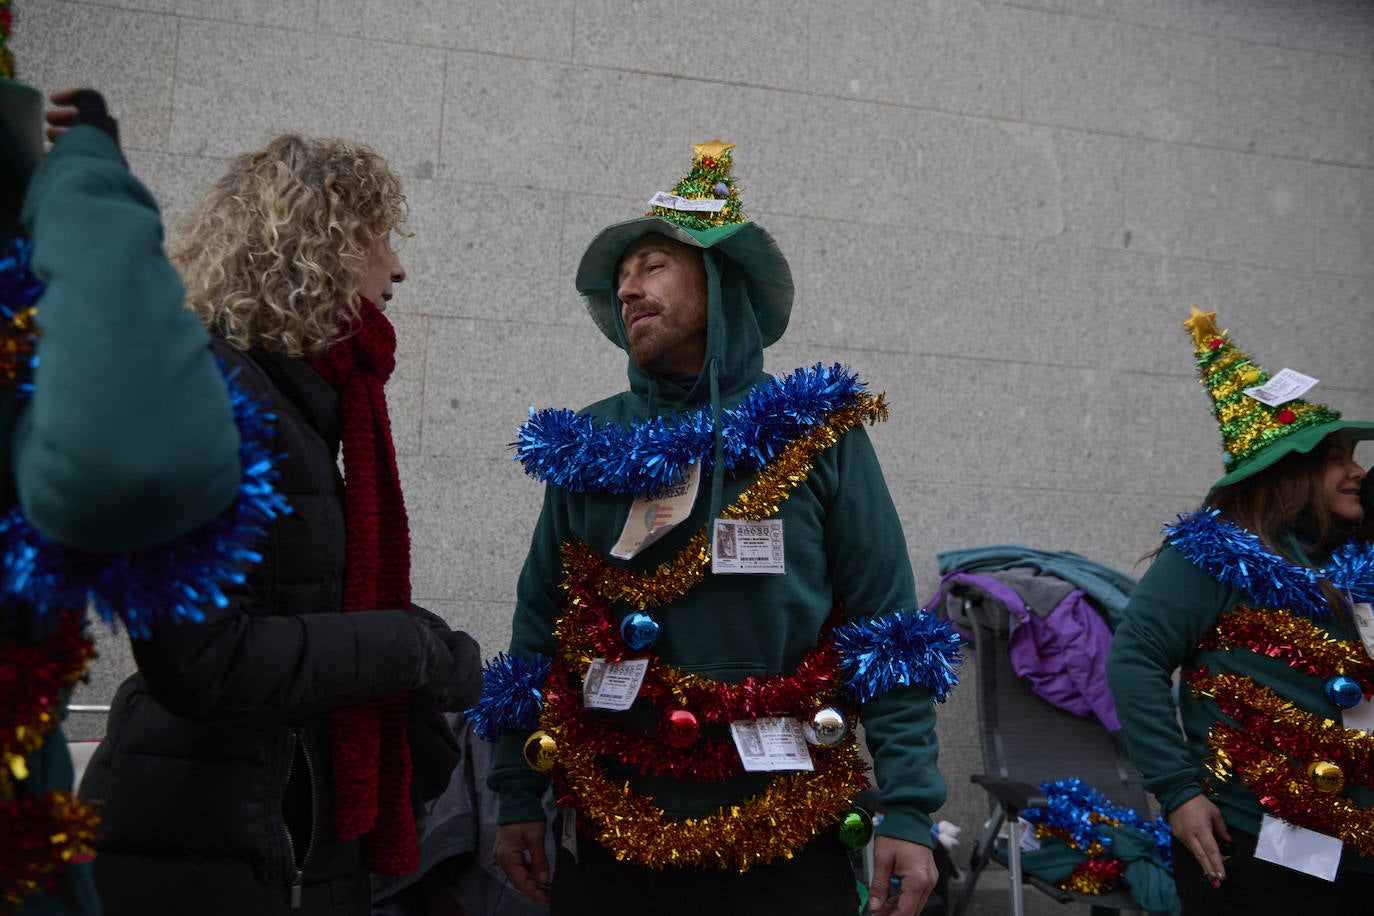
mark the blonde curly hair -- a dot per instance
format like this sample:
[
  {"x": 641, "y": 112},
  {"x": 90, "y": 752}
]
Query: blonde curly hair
[{"x": 275, "y": 254}]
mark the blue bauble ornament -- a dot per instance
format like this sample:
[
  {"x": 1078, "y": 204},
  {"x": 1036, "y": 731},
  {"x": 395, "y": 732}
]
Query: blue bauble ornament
[
  {"x": 639, "y": 630},
  {"x": 1344, "y": 692},
  {"x": 722, "y": 189}
]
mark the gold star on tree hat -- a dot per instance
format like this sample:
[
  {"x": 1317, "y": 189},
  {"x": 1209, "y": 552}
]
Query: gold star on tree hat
[
  {"x": 702, "y": 210},
  {"x": 1262, "y": 417}
]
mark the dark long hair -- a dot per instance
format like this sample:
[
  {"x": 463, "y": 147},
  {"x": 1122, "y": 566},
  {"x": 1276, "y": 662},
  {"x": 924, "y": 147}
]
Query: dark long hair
[
  {"x": 1287, "y": 497},
  {"x": 1283, "y": 497}
]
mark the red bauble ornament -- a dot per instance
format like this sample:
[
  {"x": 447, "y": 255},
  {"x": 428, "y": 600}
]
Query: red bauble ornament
[
  {"x": 679, "y": 728},
  {"x": 1285, "y": 416},
  {"x": 1215, "y": 343}
]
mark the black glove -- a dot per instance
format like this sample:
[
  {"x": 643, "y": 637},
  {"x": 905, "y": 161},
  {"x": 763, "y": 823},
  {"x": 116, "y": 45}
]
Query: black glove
[
  {"x": 90, "y": 109},
  {"x": 434, "y": 750},
  {"x": 458, "y": 685}
]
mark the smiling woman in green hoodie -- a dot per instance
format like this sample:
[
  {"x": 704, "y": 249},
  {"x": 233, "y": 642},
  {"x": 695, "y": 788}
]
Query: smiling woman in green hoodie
[{"x": 1256, "y": 597}]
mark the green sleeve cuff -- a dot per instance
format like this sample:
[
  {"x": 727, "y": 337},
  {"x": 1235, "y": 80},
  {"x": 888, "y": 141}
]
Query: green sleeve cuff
[{"x": 903, "y": 824}]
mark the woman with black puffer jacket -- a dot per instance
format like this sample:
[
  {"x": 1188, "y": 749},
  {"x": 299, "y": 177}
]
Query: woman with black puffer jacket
[{"x": 268, "y": 758}]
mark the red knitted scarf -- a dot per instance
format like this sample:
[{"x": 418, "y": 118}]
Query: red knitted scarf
[{"x": 371, "y": 752}]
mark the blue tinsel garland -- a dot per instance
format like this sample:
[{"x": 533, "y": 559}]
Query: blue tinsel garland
[
  {"x": 876, "y": 655},
  {"x": 1072, "y": 802},
  {"x": 19, "y": 289},
  {"x": 169, "y": 582},
  {"x": 583, "y": 455},
  {"x": 1236, "y": 557}
]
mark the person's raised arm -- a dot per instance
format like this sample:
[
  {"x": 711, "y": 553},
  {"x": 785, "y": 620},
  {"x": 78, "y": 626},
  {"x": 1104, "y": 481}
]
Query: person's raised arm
[{"x": 128, "y": 440}]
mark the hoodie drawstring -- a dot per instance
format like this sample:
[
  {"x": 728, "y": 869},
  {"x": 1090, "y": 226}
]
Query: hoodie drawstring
[{"x": 718, "y": 467}]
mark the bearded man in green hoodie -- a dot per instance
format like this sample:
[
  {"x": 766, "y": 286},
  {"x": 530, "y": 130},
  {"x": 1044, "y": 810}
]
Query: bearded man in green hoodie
[{"x": 717, "y": 590}]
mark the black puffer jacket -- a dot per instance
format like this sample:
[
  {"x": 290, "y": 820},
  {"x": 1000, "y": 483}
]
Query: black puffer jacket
[{"x": 216, "y": 773}]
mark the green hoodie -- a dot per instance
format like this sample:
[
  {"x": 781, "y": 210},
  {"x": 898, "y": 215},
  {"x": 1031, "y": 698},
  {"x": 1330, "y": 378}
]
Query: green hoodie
[
  {"x": 1174, "y": 607},
  {"x": 128, "y": 439},
  {"x": 843, "y": 543}
]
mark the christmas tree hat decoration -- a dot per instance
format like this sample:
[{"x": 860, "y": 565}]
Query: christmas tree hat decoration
[
  {"x": 1262, "y": 417},
  {"x": 703, "y": 210}
]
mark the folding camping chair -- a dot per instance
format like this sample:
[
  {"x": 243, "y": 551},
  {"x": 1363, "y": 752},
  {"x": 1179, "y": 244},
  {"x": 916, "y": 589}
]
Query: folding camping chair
[{"x": 1027, "y": 741}]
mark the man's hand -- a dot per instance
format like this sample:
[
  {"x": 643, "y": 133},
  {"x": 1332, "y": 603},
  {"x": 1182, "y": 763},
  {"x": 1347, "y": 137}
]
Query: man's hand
[
  {"x": 913, "y": 863},
  {"x": 1197, "y": 824},
  {"x": 520, "y": 853}
]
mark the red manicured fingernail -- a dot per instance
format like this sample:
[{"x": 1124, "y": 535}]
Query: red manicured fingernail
[{"x": 1214, "y": 881}]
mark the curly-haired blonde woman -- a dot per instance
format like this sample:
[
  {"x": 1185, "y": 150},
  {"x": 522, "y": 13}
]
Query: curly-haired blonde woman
[{"x": 266, "y": 760}]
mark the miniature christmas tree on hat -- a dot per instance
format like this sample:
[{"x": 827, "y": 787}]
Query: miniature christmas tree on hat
[
  {"x": 706, "y": 197},
  {"x": 1248, "y": 425}
]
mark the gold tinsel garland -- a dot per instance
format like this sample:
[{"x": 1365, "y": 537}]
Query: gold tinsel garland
[
  {"x": 18, "y": 339},
  {"x": 42, "y": 837},
  {"x": 1278, "y": 774},
  {"x": 788, "y": 814},
  {"x": 1287, "y": 792},
  {"x": 773, "y": 484},
  {"x": 1295, "y": 732},
  {"x": 34, "y": 679},
  {"x": 1094, "y": 850}
]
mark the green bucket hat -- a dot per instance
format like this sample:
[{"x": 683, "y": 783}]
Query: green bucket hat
[
  {"x": 1260, "y": 424},
  {"x": 704, "y": 211}
]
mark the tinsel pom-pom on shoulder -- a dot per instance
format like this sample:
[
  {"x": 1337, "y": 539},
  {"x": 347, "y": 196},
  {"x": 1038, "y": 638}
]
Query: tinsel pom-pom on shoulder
[
  {"x": 170, "y": 582},
  {"x": 584, "y": 455}
]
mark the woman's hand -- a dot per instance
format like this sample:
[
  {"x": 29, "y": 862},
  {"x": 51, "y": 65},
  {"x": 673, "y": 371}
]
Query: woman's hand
[{"x": 1197, "y": 824}]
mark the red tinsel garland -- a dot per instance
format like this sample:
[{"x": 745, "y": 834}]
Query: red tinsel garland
[
  {"x": 1095, "y": 876},
  {"x": 1285, "y": 727},
  {"x": 1100, "y": 871},
  {"x": 33, "y": 679},
  {"x": 42, "y": 836},
  {"x": 1286, "y": 791},
  {"x": 588, "y": 632},
  {"x": 1277, "y": 740},
  {"x": 1294, "y": 639}
]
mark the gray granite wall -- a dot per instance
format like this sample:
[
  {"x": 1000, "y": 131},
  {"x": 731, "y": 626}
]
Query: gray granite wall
[{"x": 997, "y": 212}]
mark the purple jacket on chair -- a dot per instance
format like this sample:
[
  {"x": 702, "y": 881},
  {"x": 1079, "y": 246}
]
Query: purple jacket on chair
[{"x": 1062, "y": 653}]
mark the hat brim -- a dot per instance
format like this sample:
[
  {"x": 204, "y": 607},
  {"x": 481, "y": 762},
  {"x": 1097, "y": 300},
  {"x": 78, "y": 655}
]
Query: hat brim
[
  {"x": 1301, "y": 441},
  {"x": 748, "y": 244}
]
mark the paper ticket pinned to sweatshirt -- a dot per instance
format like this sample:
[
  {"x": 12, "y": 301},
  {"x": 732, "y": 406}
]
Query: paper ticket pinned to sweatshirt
[
  {"x": 770, "y": 744},
  {"x": 651, "y": 517}
]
